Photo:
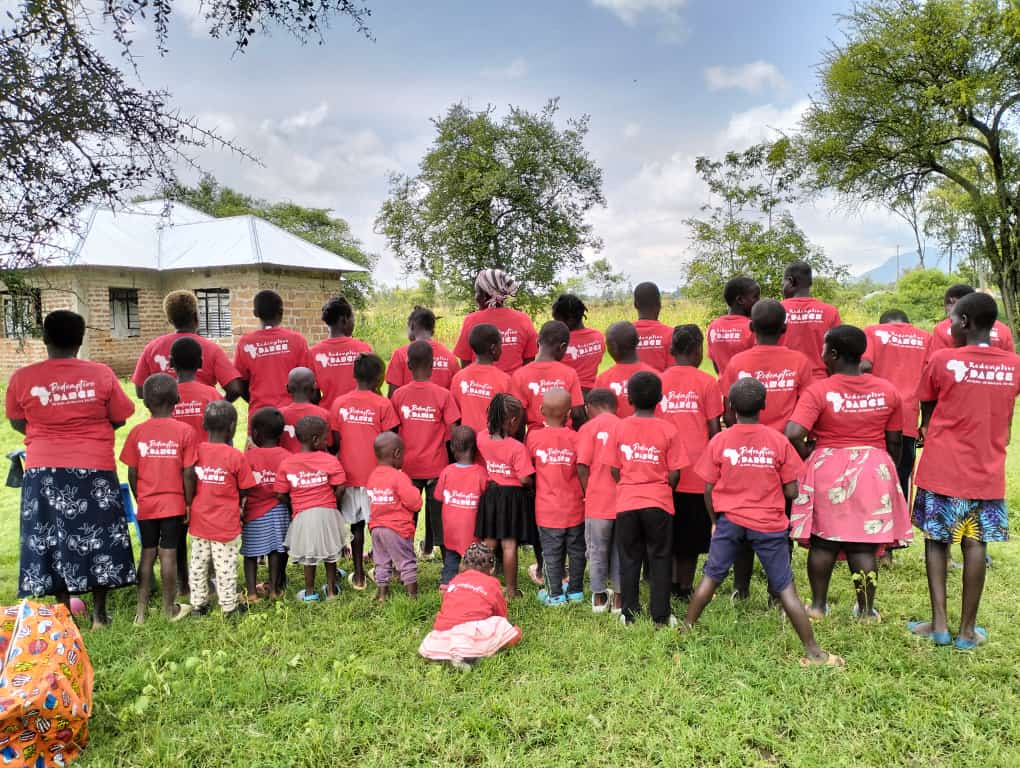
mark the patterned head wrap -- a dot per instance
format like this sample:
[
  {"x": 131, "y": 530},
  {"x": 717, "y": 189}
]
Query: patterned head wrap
[{"x": 496, "y": 286}]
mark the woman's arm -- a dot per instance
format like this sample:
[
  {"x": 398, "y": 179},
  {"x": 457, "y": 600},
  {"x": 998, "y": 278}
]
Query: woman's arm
[
  {"x": 528, "y": 482},
  {"x": 708, "y": 502},
  {"x": 133, "y": 482},
  {"x": 673, "y": 478},
  {"x": 797, "y": 436},
  {"x": 790, "y": 490},
  {"x": 894, "y": 444},
  {"x": 713, "y": 427},
  {"x": 583, "y": 473},
  {"x": 927, "y": 409},
  {"x": 190, "y": 480}
]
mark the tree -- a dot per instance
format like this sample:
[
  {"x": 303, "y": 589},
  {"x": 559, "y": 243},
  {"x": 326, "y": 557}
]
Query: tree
[
  {"x": 315, "y": 225},
  {"x": 919, "y": 293},
  {"x": 510, "y": 194},
  {"x": 921, "y": 93},
  {"x": 73, "y": 128}
]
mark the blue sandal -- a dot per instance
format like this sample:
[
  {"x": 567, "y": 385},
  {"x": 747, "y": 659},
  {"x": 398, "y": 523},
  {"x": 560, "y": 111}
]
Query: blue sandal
[
  {"x": 939, "y": 638},
  {"x": 962, "y": 644}
]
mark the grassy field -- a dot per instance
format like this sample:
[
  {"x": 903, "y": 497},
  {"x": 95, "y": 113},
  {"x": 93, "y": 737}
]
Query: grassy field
[{"x": 340, "y": 683}]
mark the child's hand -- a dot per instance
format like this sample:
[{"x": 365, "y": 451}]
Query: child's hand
[{"x": 187, "y": 515}]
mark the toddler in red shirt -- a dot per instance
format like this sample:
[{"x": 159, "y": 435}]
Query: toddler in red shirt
[
  {"x": 622, "y": 342},
  {"x": 460, "y": 487},
  {"x": 421, "y": 325},
  {"x": 587, "y": 345},
  {"x": 426, "y": 412},
  {"x": 160, "y": 456},
  {"x": 265, "y": 356},
  {"x": 224, "y": 478},
  {"x": 559, "y": 501},
  {"x": 472, "y": 622},
  {"x": 266, "y": 518},
  {"x": 186, "y": 360},
  {"x": 653, "y": 336},
  {"x": 302, "y": 388},
  {"x": 731, "y": 333},
  {"x": 395, "y": 505},
  {"x": 749, "y": 469},
  {"x": 546, "y": 372},
  {"x": 475, "y": 385}
]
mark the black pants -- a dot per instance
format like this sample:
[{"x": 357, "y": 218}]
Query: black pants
[
  {"x": 905, "y": 466},
  {"x": 433, "y": 515},
  {"x": 640, "y": 532}
]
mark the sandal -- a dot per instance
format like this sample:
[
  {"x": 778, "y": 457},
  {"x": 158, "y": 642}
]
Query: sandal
[
  {"x": 939, "y": 638},
  {"x": 872, "y": 618},
  {"x": 304, "y": 597},
  {"x": 815, "y": 615},
  {"x": 535, "y": 576},
  {"x": 183, "y": 611},
  {"x": 830, "y": 660},
  {"x": 962, "y": 644},
  {"x": 262, "y": 589},
  {"x": 354, "y": 585}
]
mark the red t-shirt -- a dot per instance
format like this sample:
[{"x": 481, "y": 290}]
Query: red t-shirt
[
  {"x": 294, "y": 412},
  {"x": 426, "y": 412},
  {"x": 506, "y": 461},
  {"x": 1000, "y": 337},
  {"x": 654, "y": 341},
  {"x": 265, "y": 358},
  {"x": 535, "y": 379},
  {"x": 520, "y": 340},
  {"x": 584, "y": 354},
  {"x": 645, "y": 451},
  {"x": 357, "y": 418},
  {"x": 444, "y": 366},
  {"x": 460, "y": 488},
  {"x": 975, "y": 389},
  {"x": 473, "y": 389},
  {"x": 195, "y": 396},
  {"x": 310, "y": 478},
  {"x": 848, "y": 411},
  {"x": 600, "y": 497},
  {"x": 69, "y": 406},
  {"x": 897, "y": 352},
  {"x": 786, "y": 374},
  {"x": 160, "y": 449},
  {"x": 616, "y": 379},
  {"x": 222, "y": 474},
  {"x": 728, "y": 335},
  {"x": 690, "y": 398},
  {"x": 332, "y": 360},
  {"x": 807, "y": 321},
  {"x": 470, "y": 596},
  {"x": 559, "y": 501},
  {"x": 395, "y": 501},
  {"x": 263, "y": 462},
  {"x": 748, "y": 465},
  {"x": 155, "y": 358}
]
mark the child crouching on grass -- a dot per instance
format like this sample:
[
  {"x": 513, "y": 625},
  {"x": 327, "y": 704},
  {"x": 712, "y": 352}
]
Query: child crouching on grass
[
  {"x": 395, "y": 505},
  {"x": 472, "y": 622},
  {"x": 748, "y": 470}
]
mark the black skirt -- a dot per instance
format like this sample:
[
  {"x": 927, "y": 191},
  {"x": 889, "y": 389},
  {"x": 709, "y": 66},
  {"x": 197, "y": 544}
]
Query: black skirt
[
  {"x": 506, "y": 512},
  {"x": 692, "y": 528}
]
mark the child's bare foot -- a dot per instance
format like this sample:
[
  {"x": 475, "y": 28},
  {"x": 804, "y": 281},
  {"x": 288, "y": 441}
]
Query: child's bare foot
[
  {"x": 822, "y": 658},
  {"x": 512, "y": 594},
  {"x": 816, "y": 614},
  {"x": 380, "y": 593}
]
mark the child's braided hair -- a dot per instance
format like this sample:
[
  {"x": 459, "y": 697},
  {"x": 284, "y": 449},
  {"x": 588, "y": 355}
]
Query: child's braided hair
[
  {"x": 479, "y": 557},
  {"x": 501, "y": 407}
]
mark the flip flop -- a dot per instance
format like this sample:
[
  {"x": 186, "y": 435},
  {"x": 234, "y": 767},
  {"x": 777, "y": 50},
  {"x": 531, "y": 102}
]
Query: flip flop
[
  {"x": 813, "y": 614},
  {"x": 939, "y": 638},
  {"x": 350, "y": 580},
  {"x": 304, "y": 597},
  {"x": 830, "y": 660},
  {"x": 962, "y": 644},
  {"x": 535, "y": 576},
  {"x": 262, "y": 589},
  {"x": 183, "y": 611},
  {"x": 873, "y": 618}
]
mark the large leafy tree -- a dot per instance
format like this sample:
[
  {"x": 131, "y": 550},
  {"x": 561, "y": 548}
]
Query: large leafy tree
[
  {"x": 508, "y": 193},
  {"x": 74, "y": 126},
  {"x": 921, "y": 93}
]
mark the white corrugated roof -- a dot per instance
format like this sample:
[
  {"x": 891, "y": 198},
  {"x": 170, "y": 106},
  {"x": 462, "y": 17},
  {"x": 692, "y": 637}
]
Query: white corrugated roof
[{"x": 142, "y": 236}]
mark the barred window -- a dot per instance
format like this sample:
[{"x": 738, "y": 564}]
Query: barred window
[
  {"x": 213, "y": 312},
  {"x": 124, "y": 322},
  {"x": 22, "y": 313}
]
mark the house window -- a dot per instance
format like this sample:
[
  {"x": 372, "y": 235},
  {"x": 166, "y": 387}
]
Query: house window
[
  {"x": 213, "y": 312},
  {"x": 22, "y": 313},
  {"x": 124, "y": 321}
]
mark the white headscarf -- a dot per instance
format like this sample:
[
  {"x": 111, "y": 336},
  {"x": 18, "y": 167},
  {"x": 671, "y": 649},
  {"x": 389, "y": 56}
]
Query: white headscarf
[{"x": 496, "y": 285}]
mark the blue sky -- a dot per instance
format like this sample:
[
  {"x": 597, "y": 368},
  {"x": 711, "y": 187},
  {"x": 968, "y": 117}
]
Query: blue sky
[{"x": 663, "y": 81}]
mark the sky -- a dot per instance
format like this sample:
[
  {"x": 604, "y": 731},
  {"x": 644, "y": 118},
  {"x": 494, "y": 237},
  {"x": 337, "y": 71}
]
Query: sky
[{"x": 663, "y": 81}]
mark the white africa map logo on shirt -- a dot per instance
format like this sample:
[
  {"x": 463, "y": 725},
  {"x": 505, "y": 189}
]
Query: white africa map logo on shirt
[
  {"x": 162, "y": 362},
  {"x": 618, "y": 387},
  {"x": 602, "y": 437},
  {"x": 746, "y": 456},
  {"x": 61, "y": 393},
  {"x": 982, "y": 373},
  {"x": 639, "y": 452},
  {"x": 853, "y": 402}
]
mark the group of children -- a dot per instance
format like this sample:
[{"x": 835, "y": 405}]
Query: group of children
[{"x": 621, "y": 472}]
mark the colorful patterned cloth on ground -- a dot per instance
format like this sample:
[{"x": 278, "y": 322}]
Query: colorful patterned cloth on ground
[
  {"x": 949, "y": 519},
  {"x": 470, "y": 640}
]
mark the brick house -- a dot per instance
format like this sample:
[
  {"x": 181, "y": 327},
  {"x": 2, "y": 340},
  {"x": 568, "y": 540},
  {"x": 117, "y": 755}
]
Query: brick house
[{"x": 117, "y": 269}]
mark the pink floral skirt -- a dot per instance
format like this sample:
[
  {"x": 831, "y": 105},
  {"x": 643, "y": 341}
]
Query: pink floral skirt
[
  {"x": 470, "y": 640},
  {"x": 851, "y": 494}
]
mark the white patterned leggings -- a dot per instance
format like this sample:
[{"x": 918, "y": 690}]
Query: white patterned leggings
[{"x": 223, "y": 557}]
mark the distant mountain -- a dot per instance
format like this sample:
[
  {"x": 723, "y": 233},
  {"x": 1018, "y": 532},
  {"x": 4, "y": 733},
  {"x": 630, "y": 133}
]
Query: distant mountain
[{"x": 886, "y": 272}]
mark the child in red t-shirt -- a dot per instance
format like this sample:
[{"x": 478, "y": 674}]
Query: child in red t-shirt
[
  {"x": 426, "y": 412},
  {"x": 421, "y": 325},
  {"x": 224, "y": 478},
  {"x": 506, "y": 512},
  {"x": 357, "y": 418},
  {"x": 395, "y": 505},
  {"x": 622, "y": 342},
  {"x": 266, "y": 518},
  {"x": 475, "y": 385},
  {"x": 160, "y": 456},
  {"x": 266, "y": 355},
  {"x": 807, "y": 318},
  {"x": 749, "y": 470},
  {"x": 645, "y": 455},
  {"x": 186, "y": 360},
  {"x": 472, "y": 622},
  {"x": 599, "y": 500},
  {"x": 332, "y": 359},
  {"x": 546, "y": 372},
  {"x": 559, "y": 501},
  {"x": 311, "y": 483},
  {"x": 731, "y": 333},
  {"x": 460, "y": 487},
  {"x": 302, "y": 388},
  {"x": 653, "y": 336},
  {"x": 587, "y": 345}
]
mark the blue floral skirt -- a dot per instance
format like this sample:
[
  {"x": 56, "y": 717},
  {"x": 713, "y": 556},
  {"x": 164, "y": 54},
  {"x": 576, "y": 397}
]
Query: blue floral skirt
[
  {"x": 74, "y": 536},
  {"x": 949, "y": 519}
]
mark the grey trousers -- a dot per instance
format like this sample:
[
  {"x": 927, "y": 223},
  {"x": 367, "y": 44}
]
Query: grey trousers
[
  {"x": 603, "y": 559},
  {"x": 559, "y": 544}
]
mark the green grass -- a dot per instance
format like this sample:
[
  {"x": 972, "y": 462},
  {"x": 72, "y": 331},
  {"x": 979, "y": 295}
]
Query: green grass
[{"x": 341, "y": 683}]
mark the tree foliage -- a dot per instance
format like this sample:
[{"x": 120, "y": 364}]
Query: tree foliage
[
  {"x": 921, "y": 93},
  {"x": 74, "y": 129},
  {"x": 510, "y": 194},
  {"x": 919, "y": 293}
]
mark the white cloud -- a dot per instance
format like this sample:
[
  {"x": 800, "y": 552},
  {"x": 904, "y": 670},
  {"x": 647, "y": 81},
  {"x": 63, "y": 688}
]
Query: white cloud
[
  {"x": 515, "y": 70},
  {"x": 759, "y": 123},
  {"x": 753, "y": 77},
  {"x": 309, "y": 118},
  {"x": 631, "y": 130},
  {"x": 629, "y": 11}
]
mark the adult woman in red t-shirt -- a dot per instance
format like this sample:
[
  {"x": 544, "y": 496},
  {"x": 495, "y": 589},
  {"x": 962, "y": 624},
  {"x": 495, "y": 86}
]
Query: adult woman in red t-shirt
[
  {"x": 520, "y": 340},
  {"x": 74, "y": 537},
  {"x": 850, "y": 501}
]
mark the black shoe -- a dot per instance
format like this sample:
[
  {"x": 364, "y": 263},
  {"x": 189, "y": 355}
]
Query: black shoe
[
  {"x": 200, "y": 610},
  {"x": 238, "y": 612}
]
